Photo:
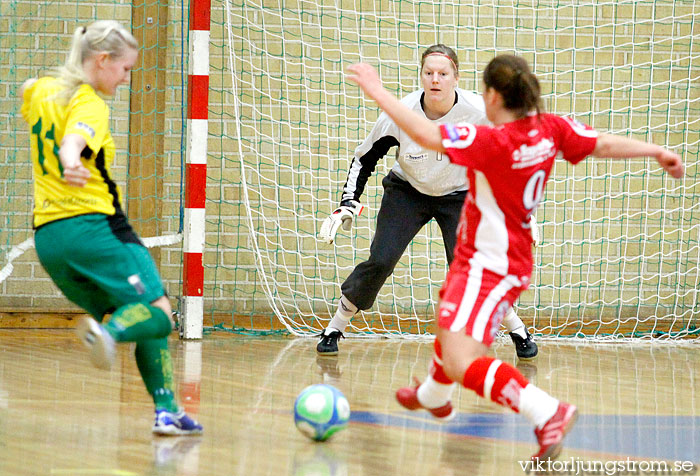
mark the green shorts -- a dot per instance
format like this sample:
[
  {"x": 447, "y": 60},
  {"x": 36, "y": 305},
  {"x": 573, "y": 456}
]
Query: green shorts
[{"x": 98, "y": 262}]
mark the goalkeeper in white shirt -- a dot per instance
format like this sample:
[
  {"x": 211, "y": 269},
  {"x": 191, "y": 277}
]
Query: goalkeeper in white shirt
[{"x": 421, "y": 185}]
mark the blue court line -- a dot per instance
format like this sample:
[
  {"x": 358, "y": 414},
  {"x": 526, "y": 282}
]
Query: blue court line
[{"x": 675, "y": 438}]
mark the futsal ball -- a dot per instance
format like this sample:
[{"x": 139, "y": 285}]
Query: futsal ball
[{"x": 320, "y": 411}]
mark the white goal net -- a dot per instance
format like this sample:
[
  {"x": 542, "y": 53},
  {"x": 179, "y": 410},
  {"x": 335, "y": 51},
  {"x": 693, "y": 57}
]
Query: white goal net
[{"x": 620, "y": 240}]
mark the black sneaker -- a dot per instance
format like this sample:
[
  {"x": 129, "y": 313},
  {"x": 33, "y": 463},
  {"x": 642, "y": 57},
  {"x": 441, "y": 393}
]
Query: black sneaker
[
  {"x": 525, "y": 348},
  {"x": 328, "y": 344}
]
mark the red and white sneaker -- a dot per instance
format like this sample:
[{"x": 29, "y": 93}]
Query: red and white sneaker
[
  {"x": 408, "y": 398},
  {"x": 552, "y": 433}
]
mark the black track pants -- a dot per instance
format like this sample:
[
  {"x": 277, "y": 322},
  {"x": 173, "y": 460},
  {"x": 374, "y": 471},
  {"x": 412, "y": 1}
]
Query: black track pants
[{"x": 403, "y": 212}]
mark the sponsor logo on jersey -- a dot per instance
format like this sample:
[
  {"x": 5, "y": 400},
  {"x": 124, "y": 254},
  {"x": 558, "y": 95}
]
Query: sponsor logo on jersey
[
  {"x": 460, "y": 136},
  {"x": 69, "y": 202},
  {"x": 452, "y": 132},
  {"x": 527, "y": 156},
  {"x": 464, "y": 132},
  {"x": 415, "y": 157},
  {"x": 86, "y": 128}
]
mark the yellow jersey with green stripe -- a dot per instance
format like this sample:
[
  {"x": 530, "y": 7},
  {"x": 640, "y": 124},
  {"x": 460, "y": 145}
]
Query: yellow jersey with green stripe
[{"x": 49, "y": 121}]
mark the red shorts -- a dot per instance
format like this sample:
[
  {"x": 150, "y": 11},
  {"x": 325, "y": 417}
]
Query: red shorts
[{"x": 476, "y": 299}]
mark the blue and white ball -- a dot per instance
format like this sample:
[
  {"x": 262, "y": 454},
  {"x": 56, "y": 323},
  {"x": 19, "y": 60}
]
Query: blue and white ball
[{"x": 320, "y": 411}]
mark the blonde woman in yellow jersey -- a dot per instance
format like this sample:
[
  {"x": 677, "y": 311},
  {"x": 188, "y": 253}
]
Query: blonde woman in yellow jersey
[{"x": 82, "y": 236}]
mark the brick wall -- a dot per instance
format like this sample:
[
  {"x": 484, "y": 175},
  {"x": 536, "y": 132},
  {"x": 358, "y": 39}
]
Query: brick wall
[{"x": 288, "y": 117}]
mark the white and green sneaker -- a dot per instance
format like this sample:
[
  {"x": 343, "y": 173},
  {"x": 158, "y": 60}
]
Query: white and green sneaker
[{"x": 98, "y": 342}]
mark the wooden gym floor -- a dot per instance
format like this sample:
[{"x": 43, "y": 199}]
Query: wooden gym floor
[{"x": 60, "y": 416}]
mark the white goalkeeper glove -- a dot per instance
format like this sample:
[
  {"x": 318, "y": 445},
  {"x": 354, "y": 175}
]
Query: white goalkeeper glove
[
  {"x": 343, "y": 215},
  {"x": 535, "y": 231}
]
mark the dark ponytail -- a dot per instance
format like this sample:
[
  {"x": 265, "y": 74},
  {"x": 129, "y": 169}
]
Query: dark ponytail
[{"x": 511, "y": 76}]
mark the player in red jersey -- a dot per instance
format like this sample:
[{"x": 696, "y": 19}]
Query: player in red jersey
[{"x": 508, "y": 166}]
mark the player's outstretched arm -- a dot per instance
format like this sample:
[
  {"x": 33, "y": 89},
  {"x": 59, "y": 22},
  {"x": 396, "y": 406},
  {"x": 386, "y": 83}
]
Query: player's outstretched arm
[
  {"x": 69, "y": 154},
  {"x": 615, "y": 147},
  {"x": 420, "y": 129},
  {"x": 671, "y": 163}
]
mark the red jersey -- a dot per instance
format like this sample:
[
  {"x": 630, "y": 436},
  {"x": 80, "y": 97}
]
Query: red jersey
[{"x": 508, "y": 167}]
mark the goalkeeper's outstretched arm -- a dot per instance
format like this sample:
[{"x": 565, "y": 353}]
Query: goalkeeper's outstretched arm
[{"x": 367, "y": 155}]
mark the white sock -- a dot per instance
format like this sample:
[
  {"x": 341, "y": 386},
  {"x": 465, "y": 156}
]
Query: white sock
[
  {"x": 537, "y": 405},
  {"x": 513, "y": 323},
  {"x": 432, "y": 394},
  {"x": 343, "y": 314}
]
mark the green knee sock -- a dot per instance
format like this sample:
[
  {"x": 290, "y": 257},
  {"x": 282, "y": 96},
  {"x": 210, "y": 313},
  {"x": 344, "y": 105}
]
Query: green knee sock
[
  {"x": 136, "y": 322},
  {"x": 156, "y": 367}
]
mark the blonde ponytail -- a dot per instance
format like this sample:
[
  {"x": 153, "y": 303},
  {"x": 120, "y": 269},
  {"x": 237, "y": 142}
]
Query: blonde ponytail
[{"x": 101, "y": 36}]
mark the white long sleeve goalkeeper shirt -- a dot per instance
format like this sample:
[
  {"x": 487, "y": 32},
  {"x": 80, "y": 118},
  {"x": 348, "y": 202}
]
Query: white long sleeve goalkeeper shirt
[{"x": 429, "y": 172}]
